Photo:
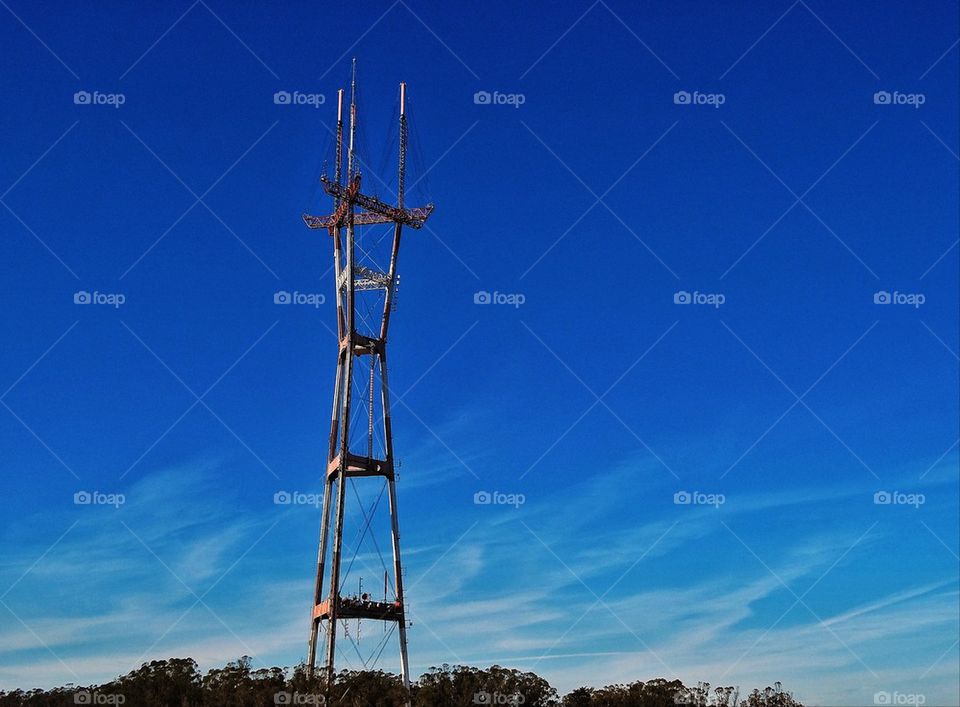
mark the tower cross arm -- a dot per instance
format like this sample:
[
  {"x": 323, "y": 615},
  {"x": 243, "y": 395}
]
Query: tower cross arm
[{"x": 374, "y": 210}]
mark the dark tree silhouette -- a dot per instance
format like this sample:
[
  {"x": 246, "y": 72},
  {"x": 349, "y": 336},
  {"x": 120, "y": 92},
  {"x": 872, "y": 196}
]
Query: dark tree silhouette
[
  {"x": 177, "y": 682},
  {"x": 462, "y": 685}
]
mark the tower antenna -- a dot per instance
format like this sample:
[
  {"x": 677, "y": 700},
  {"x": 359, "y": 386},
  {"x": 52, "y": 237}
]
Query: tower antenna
[
  {"x": 353, "y": 117},
  {"x": 402, "y": 169}
]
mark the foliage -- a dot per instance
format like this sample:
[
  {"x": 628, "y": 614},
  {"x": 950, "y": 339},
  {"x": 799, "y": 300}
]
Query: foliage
[
  {"x": 462, "y": 686},
  {"x": 177, "y": 682}
]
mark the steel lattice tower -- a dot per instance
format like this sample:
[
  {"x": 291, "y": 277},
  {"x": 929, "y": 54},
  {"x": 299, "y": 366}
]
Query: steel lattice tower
[{"x": 350, "y": 427}]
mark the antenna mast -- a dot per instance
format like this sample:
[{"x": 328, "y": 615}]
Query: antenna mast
[{"x": 353, "y": 117}]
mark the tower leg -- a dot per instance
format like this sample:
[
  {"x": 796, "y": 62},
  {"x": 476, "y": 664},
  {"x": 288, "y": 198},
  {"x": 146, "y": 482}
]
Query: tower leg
[
  {"x": 402, "y": 624},
  {"x": 318, "y": 589},
  {"x": 394, "y": 523},
  {"x": 325, "y": 519},
  {"x": 346, "y": 383},
  {"x": 335, "y": 579}
]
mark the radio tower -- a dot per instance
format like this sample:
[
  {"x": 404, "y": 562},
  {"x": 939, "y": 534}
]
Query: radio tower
[{"x": 363, "y": 287}]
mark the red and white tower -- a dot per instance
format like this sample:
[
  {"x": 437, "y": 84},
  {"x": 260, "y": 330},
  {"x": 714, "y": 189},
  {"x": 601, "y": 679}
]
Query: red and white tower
[{"x": 361, "y": 440}]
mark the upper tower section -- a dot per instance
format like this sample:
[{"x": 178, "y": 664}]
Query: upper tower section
[{"x": 365, "y": 265}]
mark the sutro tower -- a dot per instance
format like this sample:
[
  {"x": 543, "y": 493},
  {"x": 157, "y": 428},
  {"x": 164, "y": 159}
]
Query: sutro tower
[{"x": 361, "y": 443}]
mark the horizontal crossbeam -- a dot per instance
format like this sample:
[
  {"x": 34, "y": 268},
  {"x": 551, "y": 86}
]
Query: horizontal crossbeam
[
  {"x": 374, "y": 210},
  {"x": 360, "y": 466},
  {"x": 350, "y": 608}
]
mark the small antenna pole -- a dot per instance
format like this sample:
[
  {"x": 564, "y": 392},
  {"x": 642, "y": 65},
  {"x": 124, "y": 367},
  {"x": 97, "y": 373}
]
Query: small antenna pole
[
  {"x": 353, "y": 118},
  {"x": 339, "y": 168},
  {"x": 401, "y": 179}
]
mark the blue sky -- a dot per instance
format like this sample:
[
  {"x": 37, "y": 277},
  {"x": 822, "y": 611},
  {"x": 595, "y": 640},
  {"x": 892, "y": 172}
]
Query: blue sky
[{"x": 812, "y": 172}]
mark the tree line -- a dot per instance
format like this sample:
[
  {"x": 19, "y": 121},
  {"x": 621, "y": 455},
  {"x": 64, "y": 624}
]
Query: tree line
[{"x": 177, "y": 682}]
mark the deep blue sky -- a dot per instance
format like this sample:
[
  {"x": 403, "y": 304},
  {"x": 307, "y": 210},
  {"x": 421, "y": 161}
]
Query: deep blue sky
[{"x": 797, "y": 200}]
